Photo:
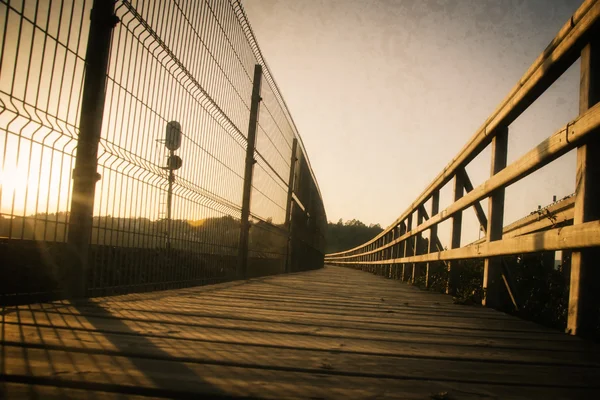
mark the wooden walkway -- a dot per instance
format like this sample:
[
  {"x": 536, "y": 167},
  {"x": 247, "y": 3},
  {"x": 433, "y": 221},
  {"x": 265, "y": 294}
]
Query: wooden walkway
[{"x": 331, "y": 333}]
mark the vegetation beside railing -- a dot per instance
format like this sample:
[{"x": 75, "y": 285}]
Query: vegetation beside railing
[{"x": 542, "y": 288}]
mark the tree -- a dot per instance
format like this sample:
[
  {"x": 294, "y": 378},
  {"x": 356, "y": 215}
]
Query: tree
[{"x": 346, "y": 235}]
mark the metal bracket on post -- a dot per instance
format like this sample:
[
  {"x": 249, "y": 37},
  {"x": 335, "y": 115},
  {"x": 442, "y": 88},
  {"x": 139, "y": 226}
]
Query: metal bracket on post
[
  {"x": 245, "y": 223},
  {"x": 290, "y": 206},
  {"x": 85, "y": 174}
]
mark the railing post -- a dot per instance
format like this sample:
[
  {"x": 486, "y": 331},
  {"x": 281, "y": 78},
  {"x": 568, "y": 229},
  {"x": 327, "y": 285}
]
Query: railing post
[
  {"x": 290, "y": 206},
  {"x": 435, "y": 208},
  {"x": 401, "y": 251},
  {"x": 407, "y": 246},
  {"x": 85, "y": 173},
  {"x": 418, "y": 236},
  {"x": 385, "y": 240},
  {"x": 492, "y": 267},
  {"x": 397, "y": 253},
  {"x": 245, "y": 223},
  {"x": 455, "y": 234},
  {"x": 391, "y": 254},
  {"x": 584, "y": 288}
]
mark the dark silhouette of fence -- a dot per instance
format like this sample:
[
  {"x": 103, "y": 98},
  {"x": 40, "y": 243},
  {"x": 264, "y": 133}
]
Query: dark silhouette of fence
[{"x": 145, "y": 146}]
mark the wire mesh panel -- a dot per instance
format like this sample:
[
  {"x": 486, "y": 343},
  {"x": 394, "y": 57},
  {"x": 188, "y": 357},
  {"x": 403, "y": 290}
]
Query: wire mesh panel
[
  {"x": 158, "y": 226},
  {"x": 269, "y": 235},
  {"x": 309, "y": 220},
  {"x": 171, "y": 148},
  {"x": 42, "y": 50}
]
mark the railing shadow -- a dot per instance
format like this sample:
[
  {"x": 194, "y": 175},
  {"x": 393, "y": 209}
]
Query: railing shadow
[{"x": 37, "y": 354}]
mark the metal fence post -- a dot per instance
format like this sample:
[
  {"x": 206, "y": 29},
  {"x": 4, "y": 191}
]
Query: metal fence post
[
  {"x": 290, "y": 206},
  {"x": 245, "y": 223},
  {"x": 85, "y": 174}
]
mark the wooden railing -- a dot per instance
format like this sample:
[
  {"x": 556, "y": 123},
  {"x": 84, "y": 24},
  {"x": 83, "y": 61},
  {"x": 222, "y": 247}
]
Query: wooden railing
[{"x": 396, "y": 247}]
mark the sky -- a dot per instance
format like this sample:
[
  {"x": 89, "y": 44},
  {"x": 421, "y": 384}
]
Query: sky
[{"x": 386, "y": 93}]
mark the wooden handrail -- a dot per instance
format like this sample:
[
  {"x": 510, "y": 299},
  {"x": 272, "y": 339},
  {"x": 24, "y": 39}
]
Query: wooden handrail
[{"x": 558, "y": 56}]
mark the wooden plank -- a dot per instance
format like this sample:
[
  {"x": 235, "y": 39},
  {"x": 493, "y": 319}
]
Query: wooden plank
[
  {"x": 325, "y": 333},
  {"x": 584, "y": 292},
  {"x": 420, "y": 340},
  {"x": 295, "y": 318},
  {"x": 554, "y": 60},
  {"x": 554, "y": 215},
  {"x": 186, "y": 379},
  {"x": 492, "y": 267},
  {"x": 570, "y": 237},
  {"x": 41, "y": 390},
  {"x": 341, "y": 362}
]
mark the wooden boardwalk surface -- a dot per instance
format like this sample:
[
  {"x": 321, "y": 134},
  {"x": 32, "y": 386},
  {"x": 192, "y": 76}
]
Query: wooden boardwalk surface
[{"x": 331, "y": 333}]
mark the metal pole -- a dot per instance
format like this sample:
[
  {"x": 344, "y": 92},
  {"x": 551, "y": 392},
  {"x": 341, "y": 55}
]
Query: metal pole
[
  {"x": 85, "y": 175},
  {"x": 170, "y": 201},
  {"x": 244, "y": 223},
  {"x": 290, "y": 206}
]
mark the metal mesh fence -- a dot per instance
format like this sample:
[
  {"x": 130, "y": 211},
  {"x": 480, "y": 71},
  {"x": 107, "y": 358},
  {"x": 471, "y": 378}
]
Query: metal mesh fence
[{"x": 171, "y": 151}]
